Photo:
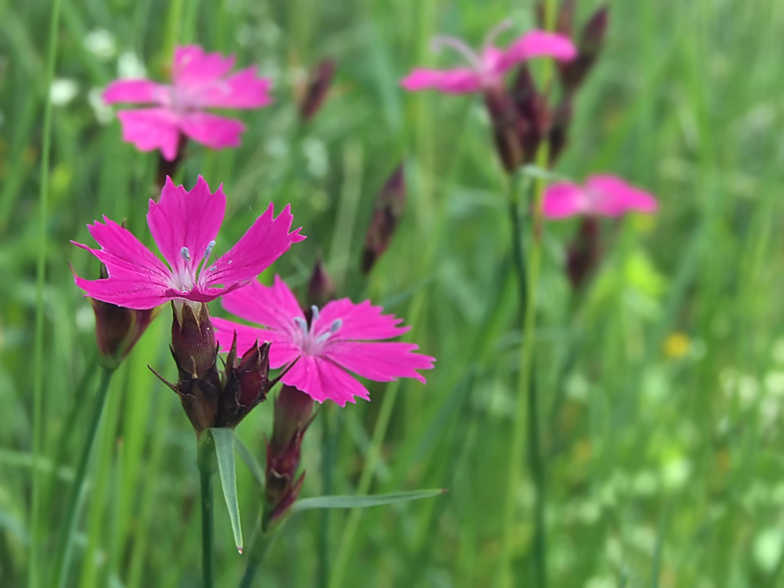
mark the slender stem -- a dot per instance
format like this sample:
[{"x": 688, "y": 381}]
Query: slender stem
[
  {"x": 518, "y": 249},
  {"x": 527, "y": 414},
  {"x": 65, "y": 536},
  {"x": 328, "y": 459},
  {"x": 259, "y": 547},
  {"x": 34, "y": 564},
  {"x": 206, "y": 460}
]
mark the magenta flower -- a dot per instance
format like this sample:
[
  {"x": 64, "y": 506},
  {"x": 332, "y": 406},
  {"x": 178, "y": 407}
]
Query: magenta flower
[
  {"x": 341, "y": 336},
  {"x": 184, "y": 225},
  {"x": 487, "y": 68},
  {"x": 600, "y": 196},
  {"x": 200, "y": 81}
]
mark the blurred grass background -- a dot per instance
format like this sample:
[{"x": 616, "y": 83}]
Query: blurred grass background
[{"x": 662, "y": 388}]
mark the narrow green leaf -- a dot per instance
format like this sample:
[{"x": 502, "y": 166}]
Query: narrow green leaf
[
  {"x": 363, "y": 501},
  {"x": 250, "y": 460},
  {"x": 224, "y": 451}
]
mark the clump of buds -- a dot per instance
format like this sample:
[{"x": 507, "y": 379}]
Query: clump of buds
[
  {"x": 319, "y": 83},
  {"x": 293, "y": 414},
  {"x": 210, "y": 397},
  {"x": 390, "y": 204},
  {"x": 520, "y": 114},
  {"x": 584, "y": 252}
]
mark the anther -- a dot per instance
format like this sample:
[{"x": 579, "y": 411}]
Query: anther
[
  {"x": 336, "y": 324},
  {"x": 208, "y": 252},
  {"x": 301, "y": 323},
  {"x": 315, "y": 310},
  {"x": 185, "y": 253}
]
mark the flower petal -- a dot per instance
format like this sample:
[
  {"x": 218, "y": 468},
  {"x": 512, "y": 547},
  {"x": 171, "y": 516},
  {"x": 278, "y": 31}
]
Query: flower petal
[
  {"x": 183, "y": 220},
  {"x": 216, "y": 132},
  {"x": 614, "y": 197},
  {"x": 282, "y": 350},
  {"x": 323, "y": 380},
  {"x": 194, "y": 69},
  {"x": 451, "y": 81},
  {"x": 357, "y": 321},
  {"x": 564, "y": 199},
  {"x": 244, "y": 89},
  {"x": 259, "y": 247},
  {"x": 151, "y": 128},
  {"x": 138, "y": 91},
  {"x": 272, "y": 306},
  {"x": 536, "y": 44},
  {"x": 382, "y": 362},
  {"x": 137, "y": 278}
]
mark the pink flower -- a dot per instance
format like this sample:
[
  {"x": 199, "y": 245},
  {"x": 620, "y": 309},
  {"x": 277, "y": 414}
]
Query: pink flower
[
  {"x": 600, "y": 196},
  {"x": 487, "y": 68},
  {"x": 341, "y": 336},
  {"x": 184, "y": 225},
  {"x": 200, "y": 81}
]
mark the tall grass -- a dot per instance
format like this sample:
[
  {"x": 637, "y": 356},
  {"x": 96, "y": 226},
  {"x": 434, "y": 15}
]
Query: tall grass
[{"x": 660, "y": 393}]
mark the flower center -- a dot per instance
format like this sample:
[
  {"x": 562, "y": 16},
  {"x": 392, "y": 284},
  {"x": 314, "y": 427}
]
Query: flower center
[
  {"x": 185, "y": 274},
  {"x": 309, "y": 339}
]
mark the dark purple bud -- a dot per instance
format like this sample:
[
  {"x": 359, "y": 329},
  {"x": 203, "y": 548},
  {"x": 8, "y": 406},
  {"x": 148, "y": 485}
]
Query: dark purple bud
[
  {"x": 117, "y": 330},
  {"x": 584, "y": 252},
  {"x": 321, "y": 288},
  {"x": 559, "y": 130},
  {"x": 293, "y": 414},
  {"x": 533, "y": 114},
  {"x": 506, "y": 127},
  {"x": 390, "y": 203},
  {"x": 212, "y": 399},
  {"x": 193, "y": 345},
  {"x": 592, "y": 38},
  {"x": 319, "y": 83}
]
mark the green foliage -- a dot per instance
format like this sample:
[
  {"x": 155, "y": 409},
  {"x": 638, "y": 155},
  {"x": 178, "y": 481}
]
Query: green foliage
[{"x": 661, "y": 388}]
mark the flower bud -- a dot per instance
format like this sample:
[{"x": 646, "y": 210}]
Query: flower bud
[
  {"x": 584, "y": 252},
  {"x": 321, "y": 288},
  {"x": 506, "y": 124},
  {"x": 592, "y": 38},
  {"x": 319, "y": 83},
  {"x": 293, "y": 414},
  {"x": 212, "y": 399},
  {"x": 559, "y": 129},
  {"x": 117, "y": 329},
  {"x": 533, "y": 113},
  {"x": 390, "y": 203}
]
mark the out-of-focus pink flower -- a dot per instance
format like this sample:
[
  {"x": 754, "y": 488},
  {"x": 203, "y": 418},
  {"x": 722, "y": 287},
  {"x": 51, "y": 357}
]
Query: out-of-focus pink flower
[
  {"x": 184, "y": 225},
  {"x": 487, "y": 67},
  {"x": 600, "y": 196},
  {"x": 199, "y": 81},
  {"x": 341, "y": 336}
]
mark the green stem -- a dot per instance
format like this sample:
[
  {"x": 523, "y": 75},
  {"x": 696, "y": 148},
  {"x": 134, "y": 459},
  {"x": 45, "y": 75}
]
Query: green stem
[
  {"x": 34, "y": 565},
  {"x": 518, "y": 256},
  {"x": 328, "y": 459},
  {"x": 65, "y": 536},
  {"x": 259, "y": 547},
  {"x": 527, "y": 413},
  {"x": 206, "y": 461}
]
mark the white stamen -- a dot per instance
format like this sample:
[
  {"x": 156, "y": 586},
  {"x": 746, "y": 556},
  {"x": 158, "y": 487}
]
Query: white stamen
[
  {"x": 186, "y": 255},
  {"x": 302, "y": 324},
  {"x": 208, "y": 252},
  {"x": 315, "y": 310},
  {"x": 473, "y": 59},
  {"x": 336, "y": 324},
  {"x": 494, "y": 32}
]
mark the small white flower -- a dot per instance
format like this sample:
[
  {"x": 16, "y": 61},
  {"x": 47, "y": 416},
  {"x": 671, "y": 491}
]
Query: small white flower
[
  {"x": 62, "y": 91},
  {"x": 130, "y": 66},
  {"x": 100, "y": 43}
]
